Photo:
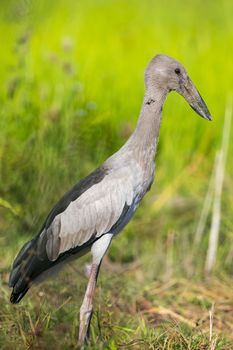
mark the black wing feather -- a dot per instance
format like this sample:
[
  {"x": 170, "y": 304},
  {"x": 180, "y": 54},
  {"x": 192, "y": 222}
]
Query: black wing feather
[{"x": 27, "y": 265}]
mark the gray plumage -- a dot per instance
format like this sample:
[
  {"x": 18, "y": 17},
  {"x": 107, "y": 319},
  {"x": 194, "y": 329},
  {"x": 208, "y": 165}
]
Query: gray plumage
[{"x": 100, "y": 205}]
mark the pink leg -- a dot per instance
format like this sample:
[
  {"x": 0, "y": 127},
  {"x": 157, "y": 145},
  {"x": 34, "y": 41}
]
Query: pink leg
[
  {"x": 86, "y": 308},
  {"x": 98, "y": 250}
]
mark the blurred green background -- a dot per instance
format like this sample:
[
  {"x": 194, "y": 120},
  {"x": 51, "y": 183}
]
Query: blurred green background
[{"x": 71, "y": 89}]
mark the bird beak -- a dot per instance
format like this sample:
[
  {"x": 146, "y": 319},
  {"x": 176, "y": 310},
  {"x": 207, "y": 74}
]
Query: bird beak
[{"x": 192, "y": 96}]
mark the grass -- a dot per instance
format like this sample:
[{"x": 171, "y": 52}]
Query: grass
[
  {"x": 70, "y": 93},
  {"x": 131, "y": 311}
]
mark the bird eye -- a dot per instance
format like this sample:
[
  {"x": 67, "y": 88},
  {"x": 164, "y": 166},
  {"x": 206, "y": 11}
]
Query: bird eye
[{"x": 177, "y": 70}]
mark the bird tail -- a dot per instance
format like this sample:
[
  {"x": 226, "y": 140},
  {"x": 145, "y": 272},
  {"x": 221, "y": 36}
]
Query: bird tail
[
  {"x": 31, "y": 262},
  {"x": 22, "y": 271}
]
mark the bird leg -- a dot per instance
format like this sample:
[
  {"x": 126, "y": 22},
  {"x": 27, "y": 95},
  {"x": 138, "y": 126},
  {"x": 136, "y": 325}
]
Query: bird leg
[
  {"x": 98, "y": 250},
  {"x": 86, "y": 308}
]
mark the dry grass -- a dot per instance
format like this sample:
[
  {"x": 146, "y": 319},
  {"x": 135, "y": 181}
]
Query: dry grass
[{"x": 130, "y": 313}]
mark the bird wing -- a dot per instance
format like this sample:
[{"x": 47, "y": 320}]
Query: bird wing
[{"x": 93, "y": 213}]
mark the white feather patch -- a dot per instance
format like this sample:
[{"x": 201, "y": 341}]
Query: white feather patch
[{"x": 94, "y": 212}]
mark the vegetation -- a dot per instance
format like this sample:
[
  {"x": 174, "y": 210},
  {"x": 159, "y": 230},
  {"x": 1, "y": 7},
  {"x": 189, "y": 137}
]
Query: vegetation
[{"x": 70, "y": 94}]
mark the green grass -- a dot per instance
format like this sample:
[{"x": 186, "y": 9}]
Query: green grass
[{"x": 70, "y": 93}]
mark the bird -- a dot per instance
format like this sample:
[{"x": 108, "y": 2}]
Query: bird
[{"x": 98, "y": 207}]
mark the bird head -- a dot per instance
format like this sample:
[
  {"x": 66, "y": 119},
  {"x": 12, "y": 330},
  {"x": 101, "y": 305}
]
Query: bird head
[{"x": 167, "y": 74}]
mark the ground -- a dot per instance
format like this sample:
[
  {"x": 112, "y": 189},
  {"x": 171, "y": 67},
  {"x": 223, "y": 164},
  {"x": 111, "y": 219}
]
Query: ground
[{"x": 130, "y": 311}]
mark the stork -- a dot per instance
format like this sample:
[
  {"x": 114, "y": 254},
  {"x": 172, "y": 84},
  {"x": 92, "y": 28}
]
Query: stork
[{"x": 99, "y": 206}]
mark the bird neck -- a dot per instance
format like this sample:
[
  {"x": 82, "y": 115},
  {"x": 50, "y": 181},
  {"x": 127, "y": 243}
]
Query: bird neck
[{"x": 146, "y": 135}]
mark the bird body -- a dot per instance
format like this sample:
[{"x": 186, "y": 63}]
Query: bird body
[
  {"x": 102, "y": 203},
  {"x": 99, "y": 206}
]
